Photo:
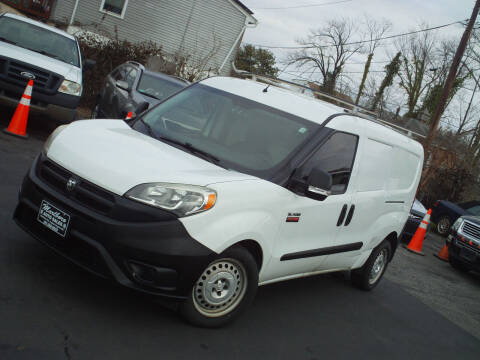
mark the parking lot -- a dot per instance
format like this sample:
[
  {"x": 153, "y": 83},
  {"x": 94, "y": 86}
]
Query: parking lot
[{"x": 50, "y": 309}]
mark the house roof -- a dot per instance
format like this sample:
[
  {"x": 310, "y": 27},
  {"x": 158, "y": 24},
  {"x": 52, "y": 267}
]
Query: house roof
[{"x": 243, "y": 7}]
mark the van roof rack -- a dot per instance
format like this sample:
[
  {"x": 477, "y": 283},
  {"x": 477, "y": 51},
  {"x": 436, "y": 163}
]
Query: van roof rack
[{"x": 348, "y": 106}]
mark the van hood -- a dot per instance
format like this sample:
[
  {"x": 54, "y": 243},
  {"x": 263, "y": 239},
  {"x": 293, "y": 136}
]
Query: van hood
[
  {"x": 115, "y": 157},
  {"x": 68, "y": 71}
]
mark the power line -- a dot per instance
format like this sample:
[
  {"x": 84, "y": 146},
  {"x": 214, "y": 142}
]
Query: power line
[
  {"x": 362, "y": 41},
  {"x": 302, "y": 6},
  {"x": 346, "y": 72}
]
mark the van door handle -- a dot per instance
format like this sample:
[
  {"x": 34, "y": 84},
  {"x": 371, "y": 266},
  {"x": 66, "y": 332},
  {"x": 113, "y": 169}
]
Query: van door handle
[
  {"x": 342, "y": 215},
  {"x": 350, "y": 215}
]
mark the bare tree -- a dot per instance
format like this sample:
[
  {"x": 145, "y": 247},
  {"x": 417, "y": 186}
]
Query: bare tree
[
  {"x": 442, "y": 58},
  {"x": 469, "y": 115},
  {"x": 328, "y": 49},
  {"x": 417, "y": 51},
  {"x": 375, "y": 30},
  {"x": 197, "y": 62},
  {"x": 391, "y": 70}
]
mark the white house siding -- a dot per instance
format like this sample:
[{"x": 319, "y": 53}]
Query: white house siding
[{"x": 185, "y": 26}]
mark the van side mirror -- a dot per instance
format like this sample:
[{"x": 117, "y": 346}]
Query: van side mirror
[
  {"x": 316, "y": 185},
  {"x": 319, "y": 183},
  {"x": 121, "y": 84},
  {"x": 88, "y": 64}
]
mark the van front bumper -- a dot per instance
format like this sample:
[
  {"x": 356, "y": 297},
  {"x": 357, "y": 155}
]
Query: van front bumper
[{"x": 137, "y": 246}]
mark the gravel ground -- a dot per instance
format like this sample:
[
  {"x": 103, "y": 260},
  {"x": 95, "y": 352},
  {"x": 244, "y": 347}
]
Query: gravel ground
[{"x": 450, "y": 292}]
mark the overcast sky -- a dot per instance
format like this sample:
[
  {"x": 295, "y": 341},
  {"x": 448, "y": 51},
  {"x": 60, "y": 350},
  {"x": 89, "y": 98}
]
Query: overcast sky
[{"x": 284, "y": 27}]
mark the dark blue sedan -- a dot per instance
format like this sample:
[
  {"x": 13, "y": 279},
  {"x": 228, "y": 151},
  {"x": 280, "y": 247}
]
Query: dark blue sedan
[{"x": 445, "y": 213}]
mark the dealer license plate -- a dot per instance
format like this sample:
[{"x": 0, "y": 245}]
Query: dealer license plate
[{"x": 53, "y": 218}]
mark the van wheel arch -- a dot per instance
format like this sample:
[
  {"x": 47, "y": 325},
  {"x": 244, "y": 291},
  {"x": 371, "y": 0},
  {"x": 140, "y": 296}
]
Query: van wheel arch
[
  {"x": 392, "y": 238},
  {"x": 254, "y": 248}
]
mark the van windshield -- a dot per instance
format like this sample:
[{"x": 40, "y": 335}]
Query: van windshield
[
  {"x": 236, "y": 132},
  {"x": 40, "y": 40}
]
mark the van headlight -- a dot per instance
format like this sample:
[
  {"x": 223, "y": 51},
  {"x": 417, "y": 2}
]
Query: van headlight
[
  {"x": 180, "y": 199},
  {"x": 70, "y": 88},
  {"x": 456, "y": 225},
  {"x": 52, "y": 137}
]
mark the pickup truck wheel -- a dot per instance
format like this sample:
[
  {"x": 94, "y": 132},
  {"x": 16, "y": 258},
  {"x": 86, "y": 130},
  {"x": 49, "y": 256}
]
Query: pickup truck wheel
[
  {"x": 225, "y": 288},
  {"x": 369, "y": 275},
  {"x": 443, "y": 225}
]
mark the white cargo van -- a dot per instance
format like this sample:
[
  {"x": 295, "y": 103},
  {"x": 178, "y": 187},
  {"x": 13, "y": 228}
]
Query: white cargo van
[{"x": 223, "y": 187}]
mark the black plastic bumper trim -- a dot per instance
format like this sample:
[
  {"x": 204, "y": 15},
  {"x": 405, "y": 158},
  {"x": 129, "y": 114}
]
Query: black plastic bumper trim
[
  {"x": 113, "y": 243},
  {"x": 322, "y": 251}
]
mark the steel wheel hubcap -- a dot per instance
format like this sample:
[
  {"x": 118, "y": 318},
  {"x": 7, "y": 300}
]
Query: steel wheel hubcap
[
  {"x": 378, "y": 266},
  {"x": 220, "y": 288},
  {"x": 443, "y": 225}
]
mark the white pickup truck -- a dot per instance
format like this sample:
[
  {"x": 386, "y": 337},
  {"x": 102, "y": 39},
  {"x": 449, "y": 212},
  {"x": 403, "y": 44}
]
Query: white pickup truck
[{"x": 31, "y": 50}]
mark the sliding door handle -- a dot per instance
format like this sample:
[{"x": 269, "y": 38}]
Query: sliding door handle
[
  {"x": 350, "y": 215},
  {"x": 342, "y": 215}
]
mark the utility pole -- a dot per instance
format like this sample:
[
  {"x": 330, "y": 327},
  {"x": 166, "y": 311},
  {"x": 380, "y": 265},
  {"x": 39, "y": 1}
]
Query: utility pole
[{"x": 449, "y": 82}]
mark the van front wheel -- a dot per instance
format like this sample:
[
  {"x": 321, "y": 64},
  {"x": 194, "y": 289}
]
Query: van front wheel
[
  {"x": 369, "y": 275},
  {"x": 224, "y": 289}
]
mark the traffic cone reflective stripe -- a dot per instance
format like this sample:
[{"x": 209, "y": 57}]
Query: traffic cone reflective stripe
[
  {"x": 415, "y": 245},
  {"x": 443, "y": 254},
  {"x": 18, "y": 124}
]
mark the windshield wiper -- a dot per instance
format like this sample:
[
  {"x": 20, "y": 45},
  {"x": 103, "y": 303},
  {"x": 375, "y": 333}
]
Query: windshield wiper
[
  {"x": 149, "y": 95},
  {"x": 192, "y": 149},
  {"x": 7, "y": 41}
]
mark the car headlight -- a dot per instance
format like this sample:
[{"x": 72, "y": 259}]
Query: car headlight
[
  {"x": 52, "y": 137},
  {"x": 71, "y": 88},
  {"x": 180, "y": 199},
  {"x": 456, "y": 225}
]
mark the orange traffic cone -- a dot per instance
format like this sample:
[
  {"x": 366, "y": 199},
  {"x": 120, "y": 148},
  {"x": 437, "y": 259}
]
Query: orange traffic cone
[
  {"x": 443, "y": 254},
  {"x": 18, "y": 124},
  {"x": 415, "y": 245},
  {"x": 129, "y": 115}
]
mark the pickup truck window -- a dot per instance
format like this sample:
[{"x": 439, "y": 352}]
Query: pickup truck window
[
  {"x": 40, "y": 40},
  {"x": 475, "y": 210}
]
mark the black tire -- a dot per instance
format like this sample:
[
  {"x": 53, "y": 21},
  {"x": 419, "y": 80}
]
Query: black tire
[
  {"x": 458, "y": 265},
  {"x": 361, "y": 277},
  {"x": 198, "y": 310},
  {"x": 443, "y": 225}
]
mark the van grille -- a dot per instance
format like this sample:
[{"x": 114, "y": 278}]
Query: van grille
[
  {"x": 471, "y": 229},
  {"x": 84, "y": 193},
  {"x": 45, "y": 81}
]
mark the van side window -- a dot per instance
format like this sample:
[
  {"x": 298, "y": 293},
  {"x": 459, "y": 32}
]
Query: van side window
[{"x": 336, "y": 157}]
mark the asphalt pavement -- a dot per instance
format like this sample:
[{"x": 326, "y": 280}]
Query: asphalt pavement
[{"x": 50, "y": 309}]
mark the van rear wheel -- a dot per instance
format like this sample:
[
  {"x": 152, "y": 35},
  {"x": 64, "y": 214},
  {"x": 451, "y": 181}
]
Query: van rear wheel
[
  {"x": 369, "y": 275},
  {"x": 224, "y": 289}
]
